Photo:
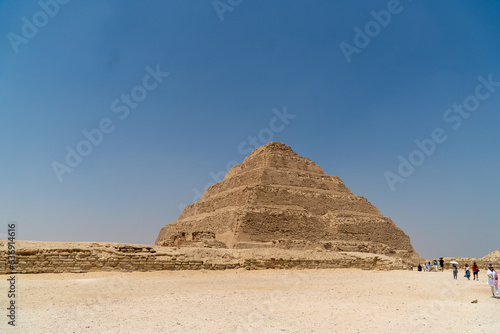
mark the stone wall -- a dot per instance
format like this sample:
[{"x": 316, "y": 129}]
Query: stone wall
[{"x": 65, "y": 257}]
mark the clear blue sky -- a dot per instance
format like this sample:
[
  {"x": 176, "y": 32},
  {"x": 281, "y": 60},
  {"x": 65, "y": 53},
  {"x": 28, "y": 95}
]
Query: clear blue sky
[{"x": 359, "y": 106}]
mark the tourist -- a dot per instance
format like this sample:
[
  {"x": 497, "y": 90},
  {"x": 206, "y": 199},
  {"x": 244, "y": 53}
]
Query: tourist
[
  {"x": 467, "y": 272},
  {"x": 441, "y": 263},
  {"x": 492, "y": 274},
  {"x": 435, "y": 265},
  {"x": 429, "y": 267},
  {"x": 419, "y": 267},
  {"x": 455, "y": 271},
  {"x": 496, "y": 281},
  {"x": 475, "y": 271}
]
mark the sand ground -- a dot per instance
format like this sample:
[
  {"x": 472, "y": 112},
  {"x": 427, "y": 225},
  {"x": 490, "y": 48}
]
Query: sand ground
[{"x": 240, "y": 301}]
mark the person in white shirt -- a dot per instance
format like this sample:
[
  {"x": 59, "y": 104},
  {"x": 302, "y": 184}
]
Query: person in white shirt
[{"x": 492, "y": 275}]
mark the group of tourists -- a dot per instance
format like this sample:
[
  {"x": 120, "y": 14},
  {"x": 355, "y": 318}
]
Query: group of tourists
[
  {"x": 431, "y": 267},
  {"x": 475, "y": 271},
  {"x": 491, "y": 273}
]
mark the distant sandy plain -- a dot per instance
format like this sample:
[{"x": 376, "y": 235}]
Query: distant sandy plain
[{"x": 261, "y": 301}]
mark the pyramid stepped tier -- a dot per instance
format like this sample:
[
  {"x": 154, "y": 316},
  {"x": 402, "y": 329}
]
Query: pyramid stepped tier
[
  {"x": 276, "y": 198},
  {"x": 317, "y": 202},
  {"x": 280, "y": 176},
  {"x": 275, "y": 155}
]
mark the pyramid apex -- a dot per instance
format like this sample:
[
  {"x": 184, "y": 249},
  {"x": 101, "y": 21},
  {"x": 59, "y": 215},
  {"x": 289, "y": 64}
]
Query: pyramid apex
[
  {"x": 274, "y": 155},
  {"x": 274, "y": 146}
]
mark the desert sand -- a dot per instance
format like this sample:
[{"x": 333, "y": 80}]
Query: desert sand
[{"x": 260, "y": 301}]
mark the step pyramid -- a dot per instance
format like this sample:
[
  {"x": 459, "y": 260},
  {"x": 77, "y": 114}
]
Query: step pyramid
[{"x": 277, "y": 198}]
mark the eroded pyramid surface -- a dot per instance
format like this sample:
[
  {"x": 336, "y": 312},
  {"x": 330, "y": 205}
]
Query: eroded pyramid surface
[{"x": 277, "y": 198}]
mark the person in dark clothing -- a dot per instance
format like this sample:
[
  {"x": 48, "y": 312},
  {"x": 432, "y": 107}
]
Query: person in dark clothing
[{"x": 441, "y": 263}]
